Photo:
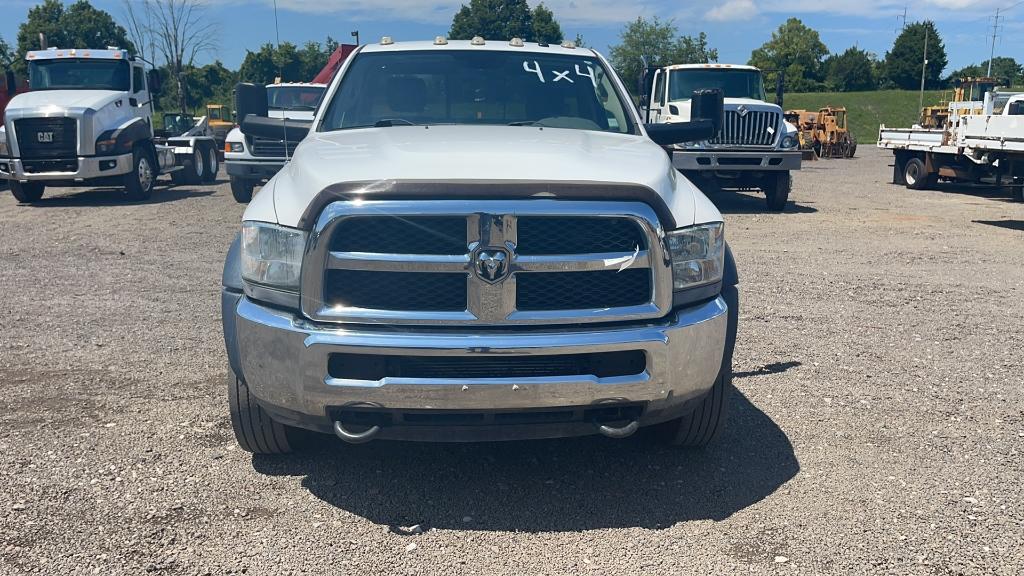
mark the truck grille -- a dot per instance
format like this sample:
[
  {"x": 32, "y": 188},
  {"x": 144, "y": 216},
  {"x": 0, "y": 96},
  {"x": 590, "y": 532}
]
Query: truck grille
[
  {"x": 755, "y": 128},
  {"x": 47, "y": 137},
  {"x": 271, "y": 148},
  {"x": 486, "y": 262}
]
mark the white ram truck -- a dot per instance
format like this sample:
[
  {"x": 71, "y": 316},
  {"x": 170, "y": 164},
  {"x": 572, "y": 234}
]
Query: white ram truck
[
  {"x": 87, "y": 122},
  {"x": 756, "y": 148},
  {"x": 479, "y": 240},
  {"x": 251, "y": 161}
]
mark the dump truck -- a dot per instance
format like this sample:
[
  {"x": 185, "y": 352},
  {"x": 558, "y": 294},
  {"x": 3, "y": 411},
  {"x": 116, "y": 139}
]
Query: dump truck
[{"x": 968, "y": 148}]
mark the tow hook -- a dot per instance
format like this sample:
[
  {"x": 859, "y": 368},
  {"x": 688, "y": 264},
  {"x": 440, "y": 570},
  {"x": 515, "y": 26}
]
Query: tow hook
[
  {"x": 355, "y": 437},
  {"x": 623, "y": 432}
]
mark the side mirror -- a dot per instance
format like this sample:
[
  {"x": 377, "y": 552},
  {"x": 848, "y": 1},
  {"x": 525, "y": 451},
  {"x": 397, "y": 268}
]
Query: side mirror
[
  {"x": 250, "y": 99},
  {"x": 153, "y": 81},
  {"x": 780, "y": 86},
  {"x": 709, "y": 104},
  {"x": 275, "y": 128},
  {"x": 707, "y": 114},
  {"x": 11, "y": 82}
]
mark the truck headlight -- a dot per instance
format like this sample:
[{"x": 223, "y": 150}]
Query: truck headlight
[
  {"x": 789, "y": 142},
  {"x": 4, "y": 152},
  {"x": 272, "y": 255},
  {"x": 234, "y": 147},
  {"x": 698, "y": 255}
]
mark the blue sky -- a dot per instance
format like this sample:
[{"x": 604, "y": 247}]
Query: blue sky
[{"x": 735, "y": 27}]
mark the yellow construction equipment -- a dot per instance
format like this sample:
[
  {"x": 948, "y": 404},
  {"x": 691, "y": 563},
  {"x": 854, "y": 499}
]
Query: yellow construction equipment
[
  {"x": 970, "y": 89},
  {"x": 823, "y": 134},
  {"x": 219, "y": 118}
]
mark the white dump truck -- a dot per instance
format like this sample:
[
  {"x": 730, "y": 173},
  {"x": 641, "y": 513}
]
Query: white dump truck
[
  {"x": 756, "y": 148},
  {"x": 251, "y": 161},
  {"x": 88, "y": 122},
  {"x": 969, "y": 148}
]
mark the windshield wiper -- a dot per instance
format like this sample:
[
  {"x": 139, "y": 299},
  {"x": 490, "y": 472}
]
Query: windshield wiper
[
  {"x": 523, "y": 123},
  {"x": 389, "y": 122}
]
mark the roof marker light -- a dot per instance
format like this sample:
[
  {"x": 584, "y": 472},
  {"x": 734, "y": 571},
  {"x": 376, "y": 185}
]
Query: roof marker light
[
  {"x": 569, "y": 44},
  {"x": 440, "y": 41},
  {"x": 477, "y": 41},
  {"x": 386, "y": 41},
  {"x": 516, "y": 42}
]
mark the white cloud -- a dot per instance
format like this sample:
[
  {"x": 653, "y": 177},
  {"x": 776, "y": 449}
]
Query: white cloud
[{"x": 733, "y": 10}]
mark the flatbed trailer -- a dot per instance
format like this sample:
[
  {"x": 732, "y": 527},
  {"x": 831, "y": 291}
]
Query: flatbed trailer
[{"x": 971, "y": 148}]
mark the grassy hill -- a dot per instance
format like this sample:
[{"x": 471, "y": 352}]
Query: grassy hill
[{"x": 898, "y": 108}]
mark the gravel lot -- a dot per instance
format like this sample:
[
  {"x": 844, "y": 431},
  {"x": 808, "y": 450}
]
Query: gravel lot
[{"x": 878, "y": 425}]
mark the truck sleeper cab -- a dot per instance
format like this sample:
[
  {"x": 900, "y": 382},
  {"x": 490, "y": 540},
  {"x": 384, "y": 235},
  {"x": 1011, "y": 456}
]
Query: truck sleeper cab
[{"x": 478, "y": 241}]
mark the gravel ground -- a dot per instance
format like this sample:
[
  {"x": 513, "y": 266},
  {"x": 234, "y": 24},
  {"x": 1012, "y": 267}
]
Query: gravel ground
[{"x": 877, "y": 428}]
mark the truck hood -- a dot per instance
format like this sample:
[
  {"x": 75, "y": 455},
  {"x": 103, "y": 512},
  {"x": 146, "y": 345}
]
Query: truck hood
[
  {"x": 473, "y": 153},
  {"x": 63, "y": 99}
]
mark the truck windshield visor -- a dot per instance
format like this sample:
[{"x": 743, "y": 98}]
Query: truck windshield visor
[
  {"x": 294, "y": 97},
  {"x": 478, "y": 88},
  {"x": 79, "y": 74},
  {"x": 734, "y": 83}
]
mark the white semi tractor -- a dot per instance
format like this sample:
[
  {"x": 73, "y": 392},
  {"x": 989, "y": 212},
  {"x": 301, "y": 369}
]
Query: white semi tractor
[
  {"x": 87, "y": 121},
  {"x": 756, "y": 148}
]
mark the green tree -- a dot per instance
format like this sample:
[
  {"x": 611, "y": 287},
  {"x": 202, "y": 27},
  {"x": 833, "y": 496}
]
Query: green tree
[
  {"x": 850, "y": 71},
  {"x": 269, "y": 63},
  {"x": 545, "y": 27},
  {"x": 658, "y": 42},
  {"x": 77, "y": 26},
  {"x": 493, "y": 20},
  {"x": 903, "y": 62},
  {"x": 1004, "y": 69},
  {"x": 312, "y": 58},
  {"x": 796, "y": 49},
  {"x": 6, "y": 54}
]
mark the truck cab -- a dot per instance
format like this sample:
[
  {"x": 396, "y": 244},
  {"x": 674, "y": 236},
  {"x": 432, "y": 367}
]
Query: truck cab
[
  {"x": 757, "y": 148},
  {"x": 87, "y": 122},
  {"x": 252, "y": 161}
]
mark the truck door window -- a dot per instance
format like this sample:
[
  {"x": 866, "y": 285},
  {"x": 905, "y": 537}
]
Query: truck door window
[
  {"x": 138, "y": 79},
  {"x": 470, "y": 87},
  {"x": 658, "y": 93}
]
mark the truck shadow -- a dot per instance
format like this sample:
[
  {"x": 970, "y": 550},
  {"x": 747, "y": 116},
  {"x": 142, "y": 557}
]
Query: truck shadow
[
  {"x": 1008, "y": 224},
  {"x": 115, "y": 196},
  {"x": 745, "y": 202},
  {"x": 557, "y": 485}
]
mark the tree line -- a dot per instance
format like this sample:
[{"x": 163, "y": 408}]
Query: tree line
[{"x": 172, "y": 34}]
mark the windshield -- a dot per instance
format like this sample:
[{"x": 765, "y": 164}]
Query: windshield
[
  {"x": 78, "y": 74},
  {"x": 477, "y": 87},
  {"x": 294, "y": 97},
  {"x": 734, "y": 83}
]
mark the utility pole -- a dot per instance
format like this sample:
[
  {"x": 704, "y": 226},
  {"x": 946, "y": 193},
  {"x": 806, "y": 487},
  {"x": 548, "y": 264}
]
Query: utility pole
[
  {"x": 924, "y": 68},
  {"x": 992, "y": 52},
  {"x": 903, "y": 18}
]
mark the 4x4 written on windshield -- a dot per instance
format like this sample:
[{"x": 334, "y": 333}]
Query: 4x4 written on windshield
[{"x": 469, "y": 87}]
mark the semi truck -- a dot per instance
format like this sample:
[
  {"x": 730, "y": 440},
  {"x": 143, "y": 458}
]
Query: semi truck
[
  {"x": 757, "y": 147},
  {"x": 969, "y": 147},
  {"x": 88, "y": 122}
]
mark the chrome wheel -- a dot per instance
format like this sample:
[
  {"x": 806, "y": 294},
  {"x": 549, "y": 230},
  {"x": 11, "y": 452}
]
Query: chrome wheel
[
  {"x": 145, "y": 174},
  {"x": 197, "y": 162}
]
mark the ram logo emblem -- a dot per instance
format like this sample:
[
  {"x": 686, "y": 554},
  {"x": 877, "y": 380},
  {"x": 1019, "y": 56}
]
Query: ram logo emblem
[{"x": 491, "y": 264}]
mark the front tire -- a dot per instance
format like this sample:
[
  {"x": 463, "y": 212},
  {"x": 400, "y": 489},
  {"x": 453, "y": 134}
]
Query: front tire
[
  {"x": 254, "y": 429},
  {"x": 139, "y": 182},
  {"x": 776, "y": 192},
  {"x": 702, "y": 426},
  {"x": 27, "y": 192},
  {"x": 241, "y": 189},
  {"x": 195, "y": 167}
]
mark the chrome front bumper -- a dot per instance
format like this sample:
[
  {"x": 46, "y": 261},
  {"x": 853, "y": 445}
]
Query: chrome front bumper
[
  {"x": 725, "y": 160},
  {"x": 284, "y": 360},
  {"x": 88, "y": 169}
]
